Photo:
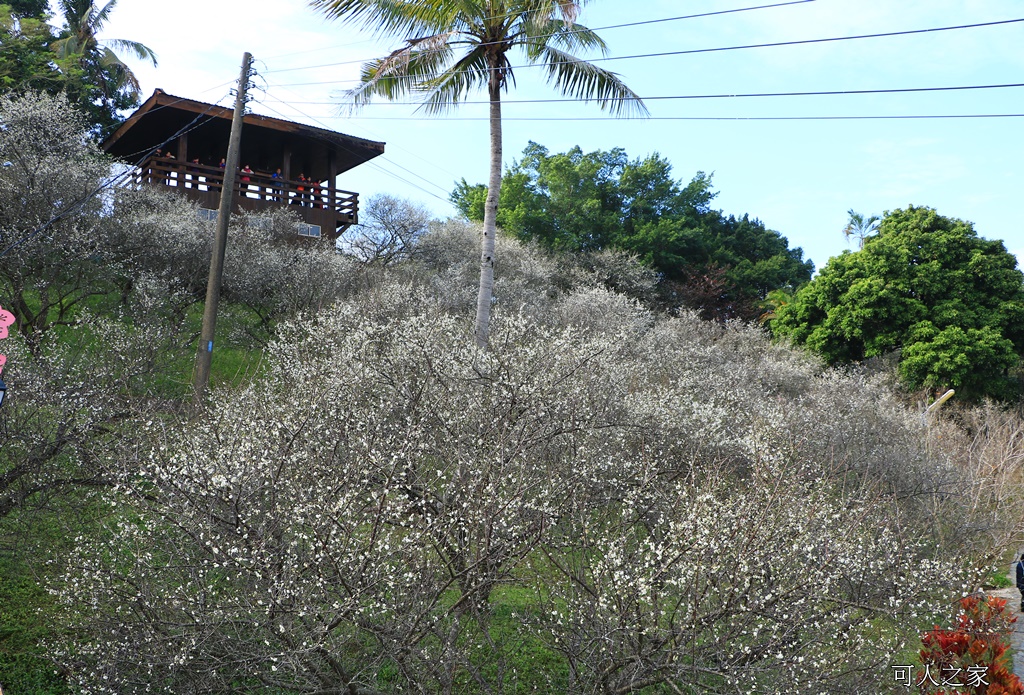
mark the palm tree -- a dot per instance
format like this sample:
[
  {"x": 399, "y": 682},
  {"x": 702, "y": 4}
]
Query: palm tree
[
  {"x": 97, "y": 57},
  {"x": 456, "y": 46},
  {"x": 860, "y": 226}
]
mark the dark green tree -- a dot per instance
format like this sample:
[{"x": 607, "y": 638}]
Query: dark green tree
[
  {"x": 112, "y": 86},
  {"x": 722, "y": 265},
  {"x": 75, "y": 61},
  {"x": 28, "y": 8},
  {"x": 927, "y": 285},
  {"x": 26, "y": 61}
]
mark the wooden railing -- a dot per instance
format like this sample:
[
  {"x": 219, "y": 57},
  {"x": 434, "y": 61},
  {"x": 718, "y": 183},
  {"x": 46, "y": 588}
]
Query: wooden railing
[{"x": 315, "y": 202}]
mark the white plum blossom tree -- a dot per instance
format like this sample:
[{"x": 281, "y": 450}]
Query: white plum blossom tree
[{"x": 363, "y": 521}]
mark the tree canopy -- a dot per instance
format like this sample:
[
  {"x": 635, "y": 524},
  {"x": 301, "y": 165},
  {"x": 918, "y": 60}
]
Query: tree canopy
[
  {"x": 721, "y": 264},
  {"x": 927, "y": 285},
  {"x": 26, "y": 61},
  {"x": 114, "y": 85},
  {"x": 28, "y": 8},
  {"x": 73, "y": 61}
]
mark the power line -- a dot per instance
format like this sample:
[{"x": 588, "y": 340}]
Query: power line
[
  {"x": 373, "y": 163},
  {"x": 107, "y": 132},
  {"x": 368, "y": 130},
  {"x": 812, "y": 41},
  {"x": 192, "y": 125},
  {"x": 718, "y": 49},
  {"x": 548, "y": 11},
  {"x": 317, "y": 50},
  {"x": 410, "y": 171},
  {"x": 370, "y": 163},
  {"x": 575, "y": 31},
  {"x": 704, "y": 118},
  {"x": 831, "y": 92}
]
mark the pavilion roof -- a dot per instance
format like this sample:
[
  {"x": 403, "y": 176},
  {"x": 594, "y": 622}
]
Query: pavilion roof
[{"x": 164, "y": 117}]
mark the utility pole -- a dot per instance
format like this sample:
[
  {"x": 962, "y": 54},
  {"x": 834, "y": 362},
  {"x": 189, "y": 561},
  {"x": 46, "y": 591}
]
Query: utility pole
[{"x": 204, "y": 355}]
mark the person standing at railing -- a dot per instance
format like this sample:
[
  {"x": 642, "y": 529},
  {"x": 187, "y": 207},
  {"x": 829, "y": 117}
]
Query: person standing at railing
[
  {"x": 167, "y": 175},
  {"x": 314, "y": 193},
  {"x": 218, "y": 179},
  {"x": 193, "y": 172},
  {"x": 325, "y": 199},
  {"x": 246, "y": 179},
  {"x": 171, "y": 174},
  {"x": 277, "y": 186}
]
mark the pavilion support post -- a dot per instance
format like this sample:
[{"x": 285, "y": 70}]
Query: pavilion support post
[
  {"x": 182, "y": 156},
  {"x": 332, "y": 185},
  {"x": 286, "y": 170}
]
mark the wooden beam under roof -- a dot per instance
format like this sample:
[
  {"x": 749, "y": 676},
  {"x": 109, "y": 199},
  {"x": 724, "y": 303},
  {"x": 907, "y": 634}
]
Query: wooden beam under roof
[{"x": 265, "y": 140}]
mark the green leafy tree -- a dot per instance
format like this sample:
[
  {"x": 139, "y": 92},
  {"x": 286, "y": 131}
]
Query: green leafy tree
[
  {"x": 29, "y": 8},
  {"x": 26, "y": 61},
  {"x": 927, "y": 285},
  {"x": 565, "y": 201},
  {"x": 458, "y": 47},
  {"x": 113, "y": 85},
  {"x": 724, "y": 266},
  {"x": 76, "y": 62}
]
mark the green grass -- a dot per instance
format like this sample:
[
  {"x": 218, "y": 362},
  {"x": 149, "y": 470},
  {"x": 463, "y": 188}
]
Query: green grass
[
  {"x": 997, "y": 580},
  {"x": 28, "y": 616},
  {"x": 24, "y": 611},
  {"x": 31, "y": 537},
  {"x": 238, "y": 357}
]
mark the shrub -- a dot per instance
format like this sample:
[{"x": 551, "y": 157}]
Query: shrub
[{"x": 972, "y": 656}]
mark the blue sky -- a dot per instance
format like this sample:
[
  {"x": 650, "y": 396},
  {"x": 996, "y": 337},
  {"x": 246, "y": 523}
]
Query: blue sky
[{"x": 798, "y": 177}]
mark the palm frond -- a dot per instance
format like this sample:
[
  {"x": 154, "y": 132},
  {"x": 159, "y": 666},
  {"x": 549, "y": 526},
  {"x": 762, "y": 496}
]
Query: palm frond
[
  {"x": 570, "y": 10},
  {"x": 100, "y": 16},
  {"x": 120, "y": 74},
  {"x": 394, "y": 17},
  {"x": 140, "y": 51},
  {"x": 76, "y": 12},
  {"x": 585, "y": 81},
  {"x": 571, "y": 38},
  {"x": 67, "y": 8},
  {"x": 547, "y": 10},
  {"x": 66, "y": 46},
  {"x": 546, "y": 29},
  {"x": 446, "y": 90},
  {"x": 403, "y": 70}
]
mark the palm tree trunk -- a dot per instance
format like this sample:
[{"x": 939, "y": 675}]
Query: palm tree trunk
[{"x": 483, "y": 301}]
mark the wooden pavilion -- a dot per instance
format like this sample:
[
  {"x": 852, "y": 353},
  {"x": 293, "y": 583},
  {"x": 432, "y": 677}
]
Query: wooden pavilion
[{"x": 181, "y": 143}]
